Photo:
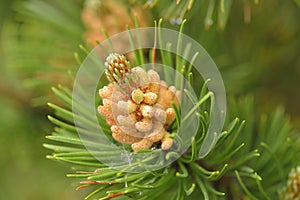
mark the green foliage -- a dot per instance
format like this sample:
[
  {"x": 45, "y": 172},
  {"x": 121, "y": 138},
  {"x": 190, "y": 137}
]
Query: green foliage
[
  {"x": 254, "y": 157},
  {"x": 35, "y": 48},
  {"x": 276, "y": 141}
]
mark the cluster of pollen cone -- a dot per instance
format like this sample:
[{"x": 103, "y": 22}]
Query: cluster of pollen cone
[
  {"x": 137, "y": 105},
  {"x": 292, "y": 190}
]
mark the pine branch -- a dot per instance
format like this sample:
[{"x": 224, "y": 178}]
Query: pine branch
[
  {"x": 253, "y": 157},
  {"x": 242, "y": 155}
]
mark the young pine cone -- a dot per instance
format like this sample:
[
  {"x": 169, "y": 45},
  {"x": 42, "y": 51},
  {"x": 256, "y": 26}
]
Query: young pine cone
[{"x": 139, "y": 114}]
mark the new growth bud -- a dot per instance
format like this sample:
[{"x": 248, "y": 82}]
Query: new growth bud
[{"x": 138, "y": 106}]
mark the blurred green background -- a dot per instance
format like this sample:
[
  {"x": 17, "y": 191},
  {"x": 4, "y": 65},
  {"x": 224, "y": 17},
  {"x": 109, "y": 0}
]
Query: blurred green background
[
  {"x": 261, "y": 57},
  {"x": 25, "y": 172}
]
